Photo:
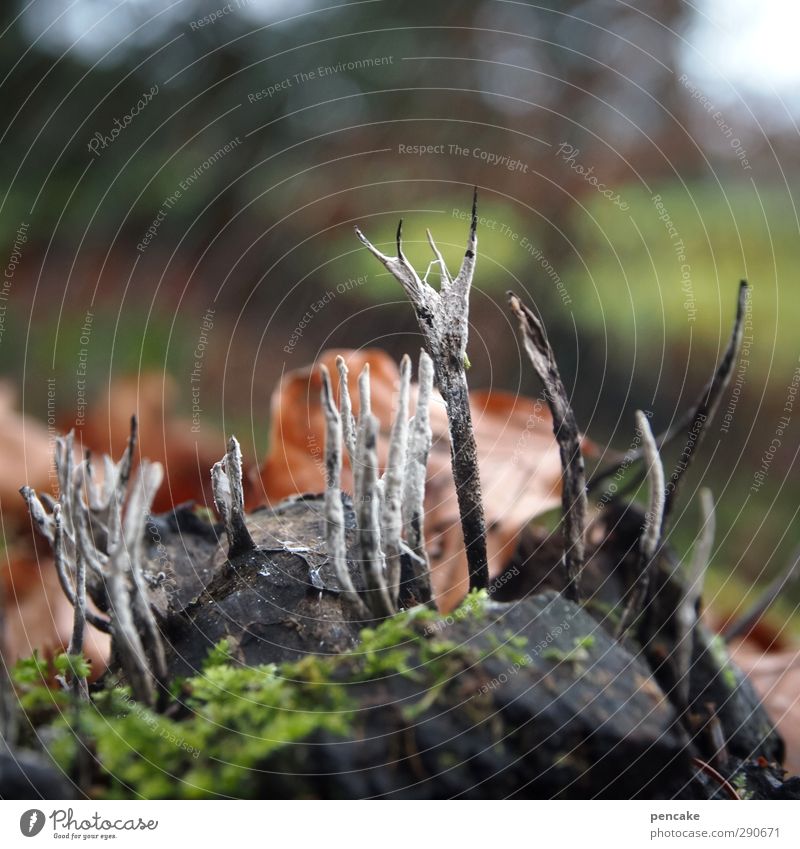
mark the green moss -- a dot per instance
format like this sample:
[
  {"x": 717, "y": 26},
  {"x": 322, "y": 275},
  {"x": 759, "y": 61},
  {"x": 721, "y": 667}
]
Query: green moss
[
  {"x": 228, "y": 722},
  {"x": 740, "y": 784},
  {"x": 577, "y": 655}
]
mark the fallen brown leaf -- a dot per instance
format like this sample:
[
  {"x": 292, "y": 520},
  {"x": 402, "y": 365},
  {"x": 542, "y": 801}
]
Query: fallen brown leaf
[
  {"x": 37, "y": 614},
  {"x": 164, "y": 436},
  {"x": 776, "y": 678},
  {"x": 25, "y": 452}
]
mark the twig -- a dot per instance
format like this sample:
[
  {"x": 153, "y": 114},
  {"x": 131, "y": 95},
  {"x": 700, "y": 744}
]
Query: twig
[
  {"x": 392, "y": 502},
  {"x": 787, "y": 576},
  {"x": 334, "y": 512},
  {"x": 687, "y": 612},
  {"x": 565, "y": 428},
  {"x": 443, "y": 318},
  {"x": 654, "y": 519},
  {"x": 708, "y": 402},
  {"x": 720, "y": 779}
]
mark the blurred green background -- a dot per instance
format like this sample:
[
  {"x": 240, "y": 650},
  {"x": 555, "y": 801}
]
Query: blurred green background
[{"x": 633, "y": 163}]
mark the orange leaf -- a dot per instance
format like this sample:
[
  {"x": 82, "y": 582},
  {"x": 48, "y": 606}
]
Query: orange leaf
[
  {"x": 163, "y": 436},
  {"x": 38, "y": 615},
  {"x": 776, "y": 678},
  {"x": 25, "y": 452}
]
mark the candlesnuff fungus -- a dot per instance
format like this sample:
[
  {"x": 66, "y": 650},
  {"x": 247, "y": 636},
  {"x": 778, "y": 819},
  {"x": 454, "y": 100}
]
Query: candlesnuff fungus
[
  {"x": 97, "y": 535},
  {"x": 653, "y": 524},
  {"x": 565, "y": 428},
  {"x": 686, "y": 616},
  {"x": 387, "y": 508},
  {"x": 693, "y": 423},
  {"x": 443, "y": 318},
  {"x": 708, "y": 402},
  {"x": 226, "y": 483}
]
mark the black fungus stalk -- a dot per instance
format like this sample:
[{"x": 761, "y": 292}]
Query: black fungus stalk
[
  {"x": 565, "y": 428},
  {"x": 443, "y": 318},
  {"x": 709, "y": 400}
]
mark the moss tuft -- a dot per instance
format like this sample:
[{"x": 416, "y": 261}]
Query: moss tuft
[{"x": 225, "y": 723}]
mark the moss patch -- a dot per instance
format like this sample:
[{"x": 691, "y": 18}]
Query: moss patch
[{"x": 228, "y": 722}]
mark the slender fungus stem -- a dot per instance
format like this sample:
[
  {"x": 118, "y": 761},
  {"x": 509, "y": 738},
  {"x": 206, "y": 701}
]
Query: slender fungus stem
[
  {"x": 226, "y": 483},
  {"x": 694, "y": 422},
  {"x": 687, "y": 613},
  {"x": 706, "y": 407},
  {"x": 389, "y": 510},
  {"x": 565, "y": 428},
  {"x": 334, "y": 511},
  {"x": 85, "y": 529},
  {"x": 364, "y": 395},
  {"x": 116, "y": 567},
  {"x": 37, "y": 513},
  {"x": 391, "y": 506},
  {"x": 136, "y": 515},
  {"x": 348, "y": 422},
  {"x": 701, "y": 556},
  {"x": 654, "y": 519},
  {"x": 368, "y": 516},
  {"x": 443, "y": 318},
  {"x": 79, "y": 685},
  {"x": 420, "y": 439}
]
